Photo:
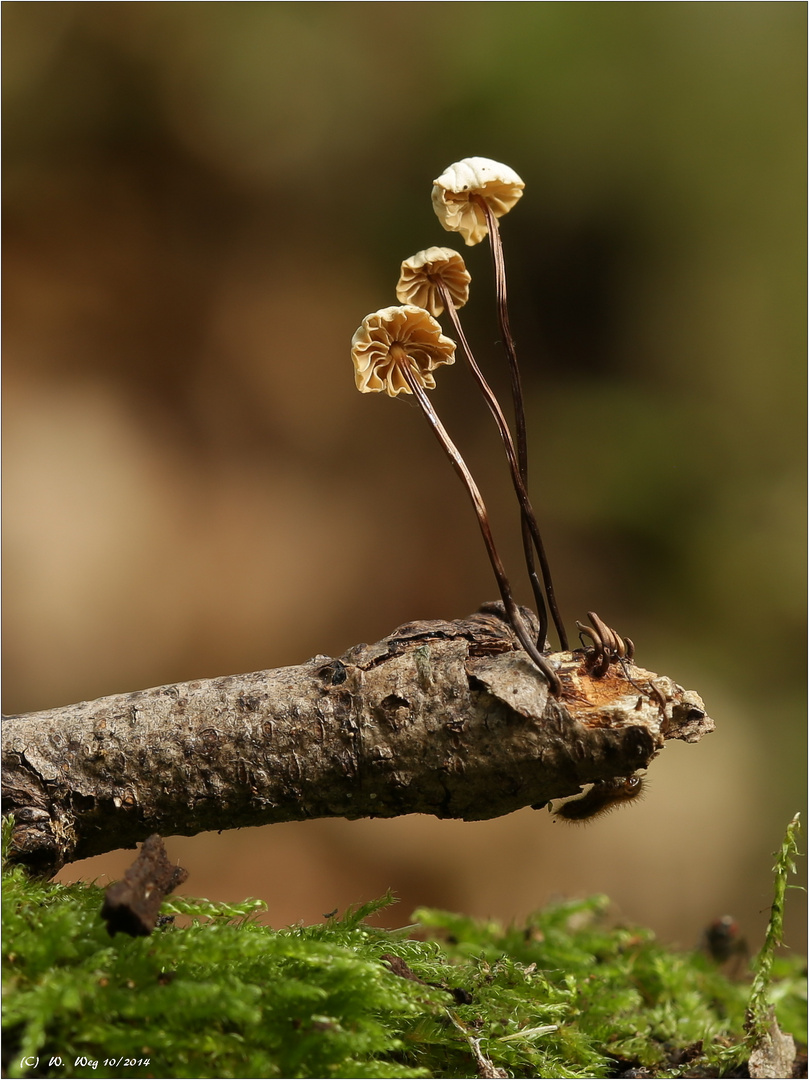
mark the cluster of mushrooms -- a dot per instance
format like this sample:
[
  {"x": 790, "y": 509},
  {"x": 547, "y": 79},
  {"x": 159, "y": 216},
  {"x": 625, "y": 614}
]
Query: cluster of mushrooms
[{"x": 396, "y": 351}]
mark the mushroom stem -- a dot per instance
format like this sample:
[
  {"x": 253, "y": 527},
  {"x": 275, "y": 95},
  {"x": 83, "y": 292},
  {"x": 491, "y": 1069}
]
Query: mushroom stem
[
  {"x": 498, "y": 260},
  {"x": 458, "y": 463},
  {"x": 526, "y": 509}
]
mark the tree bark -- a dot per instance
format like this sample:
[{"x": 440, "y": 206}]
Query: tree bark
[{"x": 443, "y": 718}]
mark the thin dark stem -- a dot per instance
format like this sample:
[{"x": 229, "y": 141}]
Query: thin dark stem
[
  {"x": 526, "y": 509},
  {"x": 517, "y": 395},
  {"x": 458, "y": 463}
]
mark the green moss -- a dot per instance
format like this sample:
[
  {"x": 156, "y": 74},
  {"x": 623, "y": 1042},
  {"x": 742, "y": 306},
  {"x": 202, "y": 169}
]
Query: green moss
[
  {"x": 760, "y": 993},
  {"x": 564, "y": 995}
]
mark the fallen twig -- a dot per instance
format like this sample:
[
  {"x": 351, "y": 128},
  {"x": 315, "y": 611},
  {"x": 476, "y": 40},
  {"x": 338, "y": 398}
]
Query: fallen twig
[{"x": 443, "y": 718}]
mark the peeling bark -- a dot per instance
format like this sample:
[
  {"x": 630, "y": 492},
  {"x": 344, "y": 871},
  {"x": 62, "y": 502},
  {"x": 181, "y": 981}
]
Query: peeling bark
[{"x": 443, "y": 718}]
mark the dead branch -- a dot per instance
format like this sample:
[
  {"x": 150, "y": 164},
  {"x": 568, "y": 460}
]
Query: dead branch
[{"x": 443, "y": 718}]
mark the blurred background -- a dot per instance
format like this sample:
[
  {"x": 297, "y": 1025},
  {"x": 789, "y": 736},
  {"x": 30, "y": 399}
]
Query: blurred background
[{"x": 202, "y": 202}]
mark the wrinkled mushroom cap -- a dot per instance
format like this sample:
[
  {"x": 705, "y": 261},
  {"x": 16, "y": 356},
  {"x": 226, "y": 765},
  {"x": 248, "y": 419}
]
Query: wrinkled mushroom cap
[
  {"x": 496, "y": 183},
  {"x": 394, "y": 336},
  {"x": 417, "y": 284}
]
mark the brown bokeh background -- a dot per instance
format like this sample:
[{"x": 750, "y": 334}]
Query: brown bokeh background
[{"x": 203, "y": 200}]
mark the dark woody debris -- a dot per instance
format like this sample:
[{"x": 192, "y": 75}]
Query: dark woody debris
[{"x": 131, "y": 906}]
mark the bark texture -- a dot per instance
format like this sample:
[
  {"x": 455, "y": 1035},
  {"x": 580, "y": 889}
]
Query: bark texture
[{"x": 443, "y": 718}]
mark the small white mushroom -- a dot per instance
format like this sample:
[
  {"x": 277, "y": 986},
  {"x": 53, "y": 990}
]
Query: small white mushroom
[
  {"x": 424, "y": 273},
  {"x": 457, "y": 189},
  {"x": 394, "y": 339},
  {"x": 396, "y": 350}
]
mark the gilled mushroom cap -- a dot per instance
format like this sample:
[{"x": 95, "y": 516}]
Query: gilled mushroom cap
[
  {"x": 417, "y": 283},
  {"x": 496, "y": 183},
  {"x": 395, "y": 336}
]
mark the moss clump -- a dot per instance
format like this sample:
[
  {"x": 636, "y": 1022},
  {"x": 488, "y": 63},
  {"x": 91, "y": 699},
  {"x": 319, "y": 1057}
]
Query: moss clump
[{"x": 564, "y": 995}]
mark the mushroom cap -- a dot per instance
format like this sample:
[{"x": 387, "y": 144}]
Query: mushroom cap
[
  {"x": 395, "y": 335},
  {"x": 417, "y": 285},
  {"x": 496, "y": 183}
]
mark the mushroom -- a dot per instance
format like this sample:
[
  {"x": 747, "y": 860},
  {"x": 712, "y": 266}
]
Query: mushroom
[
  {"x": 457, "y": 191},
  {"x": 468, "y": 198},
  {"x": 396, "y": 350},
  {"x": 429, "y": 277},
  {"x": 439, "y": 278},
  {"x": 397, "y": 346}
]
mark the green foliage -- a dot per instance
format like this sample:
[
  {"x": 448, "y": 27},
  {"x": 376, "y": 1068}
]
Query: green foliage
[
  {"x": 759, "y": 1004},
  {"x": 564, "y": 995}
]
